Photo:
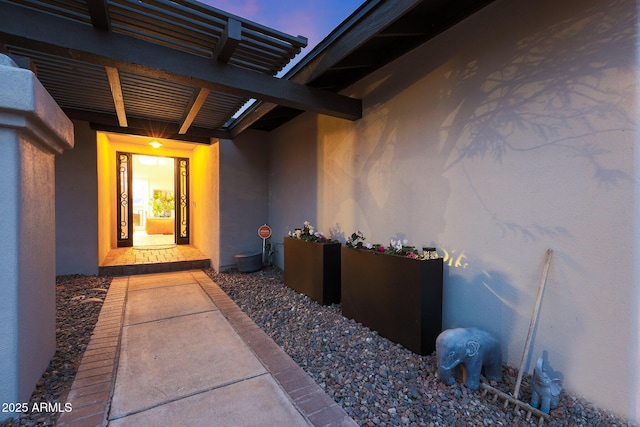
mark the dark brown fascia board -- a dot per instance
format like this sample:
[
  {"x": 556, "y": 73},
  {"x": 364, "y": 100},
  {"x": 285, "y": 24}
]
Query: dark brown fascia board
[
  {"x": 44, "y": 32},
  {"x": 249, "y": 117},
  {"x": 153, "y": 128},
  {"x": 144, "y": 132},
  {"x": 365, "y": 23}
]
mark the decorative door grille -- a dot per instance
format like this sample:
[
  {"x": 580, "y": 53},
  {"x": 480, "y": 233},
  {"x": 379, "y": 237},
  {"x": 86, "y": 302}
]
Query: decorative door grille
[
  {"x": 182, "y": 205},
  {"x": 125, "y": 208}
]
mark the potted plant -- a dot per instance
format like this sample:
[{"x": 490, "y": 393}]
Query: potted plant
[
  {"x": 162, "y": 204},
  {"x": 395, "y": 290},
  {"x": 312, "y": 264}
]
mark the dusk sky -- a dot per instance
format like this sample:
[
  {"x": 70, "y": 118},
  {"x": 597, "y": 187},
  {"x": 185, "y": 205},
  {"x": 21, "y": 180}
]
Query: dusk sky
[{"x": 313, "y": 19}]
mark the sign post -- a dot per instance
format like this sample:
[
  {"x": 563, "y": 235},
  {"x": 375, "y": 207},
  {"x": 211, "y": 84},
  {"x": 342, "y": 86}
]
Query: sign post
[{"x": 264, "y": 232}]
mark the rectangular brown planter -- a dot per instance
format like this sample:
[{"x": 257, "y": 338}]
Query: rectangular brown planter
[
  {"x": 313, "y": 269},
  {"x": 399, "y": 297}
]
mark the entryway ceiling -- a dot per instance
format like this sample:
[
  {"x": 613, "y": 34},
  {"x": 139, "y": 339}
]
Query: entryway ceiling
[{"x": 181, "y": 69}]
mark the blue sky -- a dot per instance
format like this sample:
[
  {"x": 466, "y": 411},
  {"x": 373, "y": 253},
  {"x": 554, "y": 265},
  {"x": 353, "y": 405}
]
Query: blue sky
[{"x": 313, "y": 19}]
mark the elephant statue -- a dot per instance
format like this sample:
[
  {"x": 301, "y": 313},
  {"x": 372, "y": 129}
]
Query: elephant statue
[
  {"x": 472, "y": 348},
  {"x": 545, "y": 391}
]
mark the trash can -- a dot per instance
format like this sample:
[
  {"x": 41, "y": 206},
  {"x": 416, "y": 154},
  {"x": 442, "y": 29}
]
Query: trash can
[{"x": 248, "y": 263}]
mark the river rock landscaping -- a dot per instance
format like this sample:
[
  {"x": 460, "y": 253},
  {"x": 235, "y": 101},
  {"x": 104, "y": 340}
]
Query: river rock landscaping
[
  {"x": 376, "y": 381},
  {"x": 78, "y": 303}
]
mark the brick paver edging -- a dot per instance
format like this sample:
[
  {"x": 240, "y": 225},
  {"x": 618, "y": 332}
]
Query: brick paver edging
[
  {"x": 312, "y": 402},
  {"x": 92, "y": 388}
]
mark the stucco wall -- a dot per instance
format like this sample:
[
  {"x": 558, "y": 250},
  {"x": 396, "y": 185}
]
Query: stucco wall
[
  {"x": 27, "y": 306},
  {"x": 294, "y": 192},
  {"x": 494, "y": 146},
  {"x": 9, "y": 263},
  {"x": 205, "y": 201},
  {"x": 37, "y": 292},
  {"x": 243, "y": 195},
  {"x": 77, "y": 205},
  {"x": 32, "y": 130},
  {"x": 106, "y": 165}
]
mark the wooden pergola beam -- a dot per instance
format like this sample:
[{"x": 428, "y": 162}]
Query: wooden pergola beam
[
  {"x": 99, "y": 14},
  {"x": 231, "y": 37},
  {"x": 116, "y": 93},
  {"x": 193, "y": 109}
]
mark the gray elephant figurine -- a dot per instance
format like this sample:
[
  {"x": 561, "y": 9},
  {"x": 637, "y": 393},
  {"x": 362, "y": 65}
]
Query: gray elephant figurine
[
  {"x": 472, "y": 348},
  {"x": 545, "y": 391}
]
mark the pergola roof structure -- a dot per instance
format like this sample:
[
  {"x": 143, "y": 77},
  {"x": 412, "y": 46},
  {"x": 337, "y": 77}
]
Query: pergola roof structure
[{"x": 181, "y": 69}]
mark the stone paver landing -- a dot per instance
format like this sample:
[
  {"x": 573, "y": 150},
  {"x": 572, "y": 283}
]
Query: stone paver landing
[{"x": 152, "y": 259}]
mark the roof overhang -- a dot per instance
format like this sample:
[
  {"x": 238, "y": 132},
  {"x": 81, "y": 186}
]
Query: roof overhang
[
  {"x": 179, "y": 68},
  {"x": 374, "y": 35},
  {"x": 182, "y": 70}
]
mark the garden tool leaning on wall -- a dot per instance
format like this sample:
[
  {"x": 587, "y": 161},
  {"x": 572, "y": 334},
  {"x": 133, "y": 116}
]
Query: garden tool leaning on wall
[{"x": 513, "y": 399}]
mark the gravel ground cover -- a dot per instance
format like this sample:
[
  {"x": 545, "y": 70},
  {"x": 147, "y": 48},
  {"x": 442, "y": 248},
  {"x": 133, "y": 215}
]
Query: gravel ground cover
[
  {"x": 376, "y": 381},
  {"x": 78, "y": 303}
]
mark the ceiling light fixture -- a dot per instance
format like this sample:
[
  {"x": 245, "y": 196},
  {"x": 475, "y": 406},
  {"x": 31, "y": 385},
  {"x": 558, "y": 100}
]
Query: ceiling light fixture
[{"x": 155, "y": 144}]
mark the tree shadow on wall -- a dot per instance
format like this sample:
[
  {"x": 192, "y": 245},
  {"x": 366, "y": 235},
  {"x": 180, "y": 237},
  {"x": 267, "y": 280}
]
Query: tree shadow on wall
[
  {"x": 555, "y": 88},
  {"x": 549, "y": 82}
]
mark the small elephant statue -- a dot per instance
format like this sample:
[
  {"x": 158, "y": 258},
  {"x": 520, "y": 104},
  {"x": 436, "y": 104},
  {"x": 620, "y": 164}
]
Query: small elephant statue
[
  {"x": 545, "y": 391},
  {"x": 471, "y": 347}
]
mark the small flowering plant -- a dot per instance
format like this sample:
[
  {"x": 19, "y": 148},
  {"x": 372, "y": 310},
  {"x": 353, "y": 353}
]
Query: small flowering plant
[
  {"x": 308, "y": 233},
  {"x": 395, "y": 247}
]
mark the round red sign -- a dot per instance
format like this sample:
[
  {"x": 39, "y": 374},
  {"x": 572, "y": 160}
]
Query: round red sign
[{"x": 264, "y": 231}]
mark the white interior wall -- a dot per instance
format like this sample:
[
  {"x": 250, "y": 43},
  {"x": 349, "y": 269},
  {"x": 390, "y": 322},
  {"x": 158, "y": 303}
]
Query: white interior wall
[
  {"x": 494, "y": 146},
  {"x": 151, "y": 173}
]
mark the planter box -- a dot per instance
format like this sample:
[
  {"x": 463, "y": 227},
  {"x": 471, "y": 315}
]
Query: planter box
[
  {"x": 313, "y": 269},
  {"x": 399, "y": 297}
]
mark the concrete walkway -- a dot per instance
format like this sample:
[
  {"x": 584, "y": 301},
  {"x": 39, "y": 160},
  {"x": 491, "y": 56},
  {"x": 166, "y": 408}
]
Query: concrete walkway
[{"x": 173, "y": 349}]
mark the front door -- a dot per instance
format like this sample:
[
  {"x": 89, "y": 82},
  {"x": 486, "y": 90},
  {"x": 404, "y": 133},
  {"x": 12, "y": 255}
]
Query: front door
[
  {"x": 124, "y": 202},
  {"x": 182, "y": 201},
  {"x": 124, "y": 172}
]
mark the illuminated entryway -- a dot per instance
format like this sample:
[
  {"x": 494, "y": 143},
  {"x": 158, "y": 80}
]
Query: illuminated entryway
[
  {"x": 152, "y": 199},
  {"x": 196, "y": 202}
]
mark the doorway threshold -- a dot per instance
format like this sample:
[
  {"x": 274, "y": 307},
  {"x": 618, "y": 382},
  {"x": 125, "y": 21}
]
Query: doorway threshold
[{"x": 152, "y": 259}]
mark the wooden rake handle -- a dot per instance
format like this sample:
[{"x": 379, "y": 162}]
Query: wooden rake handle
[{"x": 532, "y": 324}]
